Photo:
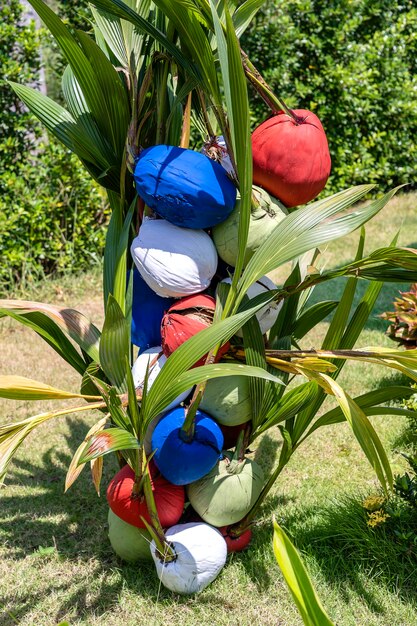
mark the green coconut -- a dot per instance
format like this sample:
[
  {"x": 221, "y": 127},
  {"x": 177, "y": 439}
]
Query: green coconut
[
  {"x": 226, "y": 494},
  {"x": 129, "y": 542},
  {"x": 227, "y": 399},
  {"x": 264, "y": 218}
]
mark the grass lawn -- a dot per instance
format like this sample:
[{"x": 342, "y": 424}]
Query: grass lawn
[{"x": 55, "y": 560}]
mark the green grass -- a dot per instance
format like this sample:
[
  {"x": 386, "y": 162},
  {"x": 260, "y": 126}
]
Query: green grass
[{"x": 55, "y": 560}]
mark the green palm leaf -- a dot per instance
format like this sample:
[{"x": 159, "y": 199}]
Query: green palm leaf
[
  {"x": 70, "y": 132},
  {"x": 51, "y": 322},
  {"x": 120, "y": 9},
  {"x": 157, "y": 401},
  {"x": 298, "y": 581},
  {"x": 101, "y": 86},
  {"x": 115, "y": 345},
  {"x": 106, "y": 441},
  {"x": 310, "y": 227}
]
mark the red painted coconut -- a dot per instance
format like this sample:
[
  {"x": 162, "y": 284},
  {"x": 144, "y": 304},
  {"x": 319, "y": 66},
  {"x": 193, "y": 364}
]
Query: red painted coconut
[
  {"x": 186, "y": 318},
  {"x": 236, "y": 544},
  {"x": 169, "y": 499},
  {"x": 291, "y": 158}
]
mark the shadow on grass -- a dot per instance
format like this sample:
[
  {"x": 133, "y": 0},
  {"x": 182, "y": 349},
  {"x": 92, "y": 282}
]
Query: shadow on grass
[
  {"x": 337, "y": 541},
  {"x": 41, "y": 522}
]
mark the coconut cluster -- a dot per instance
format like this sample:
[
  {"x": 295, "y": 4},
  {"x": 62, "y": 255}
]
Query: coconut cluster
[{"x": 202, "y": 485}]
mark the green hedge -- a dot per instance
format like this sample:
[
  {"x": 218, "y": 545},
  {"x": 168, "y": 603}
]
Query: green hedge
[
  {"x": 51, "y": 215},
  {"x": 354, "y": 63}
]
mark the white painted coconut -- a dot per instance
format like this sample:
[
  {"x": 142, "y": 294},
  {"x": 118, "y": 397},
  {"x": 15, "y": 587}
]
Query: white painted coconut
[
  {"x": 129, "y": 542},
  {"x": 174, "y": 261},
  {"x": 269, "y": 313},
  {"x": 201, "y": 553},
  {"x": 264, "y": 219},
  {"x": 228, "y": 400},
  {"x": 156, "y": 360},
  {"x": 216, "y": 149}
]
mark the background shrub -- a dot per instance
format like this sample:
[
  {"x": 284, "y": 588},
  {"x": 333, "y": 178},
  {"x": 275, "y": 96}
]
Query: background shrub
[
  {"x": 354, "y": 63},
  {"x": 51, "y": 215}
]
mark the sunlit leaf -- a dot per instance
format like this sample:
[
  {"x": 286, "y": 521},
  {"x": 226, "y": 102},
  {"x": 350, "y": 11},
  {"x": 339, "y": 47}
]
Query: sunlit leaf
[
  {"x": 156, "y": 402},
  {"x": 12, "y": 435},
  {"x": 298, "y": 581},
  {"x": 97, "y": 472},
  {"x": 74, "y": 469},
  {"x": 244, "y": 14},
  {"x": 105, "y": 441},
  {"x": 21, "y": 388},
  {"x": 114, "y": 345},
  {"x": 370, "y": 403},
  {"x": 50, "y": 321},
  {"x": 362, "y": 429},
  {"x": 310, "y": 227}
]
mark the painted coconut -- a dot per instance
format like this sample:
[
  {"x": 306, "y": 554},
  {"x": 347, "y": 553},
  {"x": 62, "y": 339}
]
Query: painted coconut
[
  {"x": 236, "y": 544},
  {"x": 186, "y": 318},
  {"x": 169, "y": 499},
  {"x": 147, "y": 312},
  {"x": 216, "y": 149},
  {"x": 181, "y": 461},
  {"x": 200, "y": 556},
  {"x": 228, "y": 400},
  {"x": 129, "y": 542},
  {"x": 291, "y": 158},
  {"x": 264, "y": 219},
  {"x": 226, "y": 494},
  {"x": 174, "y": 262},
  {"x": 269, "y": 313},
  {"x": 155, "y": 358},
  {"x": 183, "y": 186}
]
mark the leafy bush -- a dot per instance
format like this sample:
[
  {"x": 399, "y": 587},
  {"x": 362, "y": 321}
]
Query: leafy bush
[
  {"x": 51, "y": 217},
  {"x": 51, "y": 214},
  {"x": 354, "y": 63},
  {"x": 19, "y": 61}
]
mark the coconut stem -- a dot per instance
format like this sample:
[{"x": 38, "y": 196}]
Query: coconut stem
[
  {"x": 188, "y": 428},
  {"x": 155, "y": 527},
  {"x": 264, "y": 90},
  {"x": 205, "y": 114},
  {"x": 239, "y": 453},
  {"x": 185, "y": 132}
]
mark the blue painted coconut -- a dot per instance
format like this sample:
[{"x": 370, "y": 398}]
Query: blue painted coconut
[
  {"x": 147, "y": 312},
  {"x": 182, "y": 462},
  {"x": 185, "y": 187}
]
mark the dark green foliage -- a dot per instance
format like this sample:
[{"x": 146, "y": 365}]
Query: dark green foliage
[
  {"x": 19, "y": 61},
  {"x": 354, "y": 63},
  {"x": 51, "y": 215}
]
